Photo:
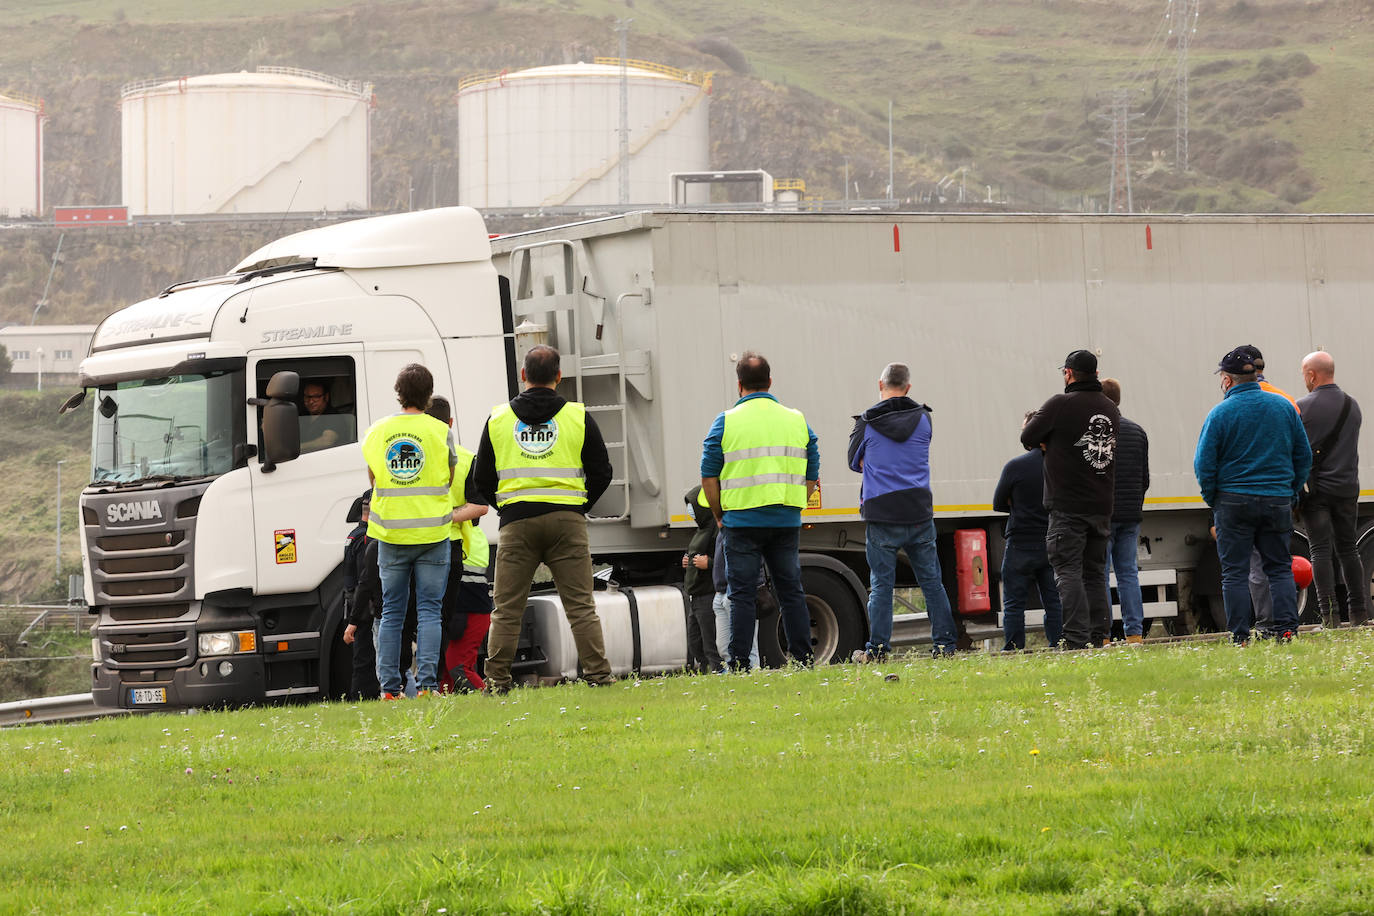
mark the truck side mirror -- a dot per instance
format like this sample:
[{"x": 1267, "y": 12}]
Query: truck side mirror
[{"x": 281, "y": 432}]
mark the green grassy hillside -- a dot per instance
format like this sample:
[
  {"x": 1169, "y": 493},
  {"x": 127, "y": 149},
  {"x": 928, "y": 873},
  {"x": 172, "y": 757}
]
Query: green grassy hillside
[
  {"x": 1183, "y": 779},
  {"x": 1007, "y": 88},
  {"x": 35, "y": 439}
]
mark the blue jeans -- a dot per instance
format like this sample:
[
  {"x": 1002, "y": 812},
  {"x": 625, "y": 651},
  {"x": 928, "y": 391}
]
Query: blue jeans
[
  {"x": 1121, "y": 559},
  {"x": 883, "y": 542},
  {"x": 396, "y": 562},
  {"x": 1024, "y": 568},
  {"x": 747, "y": 550},
  {"x": 1263, "y": 523},
  {"x": 721, "y": 605}
]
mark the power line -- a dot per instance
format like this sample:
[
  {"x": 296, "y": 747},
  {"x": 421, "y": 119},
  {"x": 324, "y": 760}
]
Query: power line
[
  {"x": 1119, "y": 140},
  {"x": 1183, "y": 16}
]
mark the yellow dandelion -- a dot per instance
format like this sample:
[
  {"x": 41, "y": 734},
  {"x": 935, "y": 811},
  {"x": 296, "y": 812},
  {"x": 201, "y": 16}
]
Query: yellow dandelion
[
  {"x": 1035, "y": 752},
  {"x": 1044, "y": 830}
]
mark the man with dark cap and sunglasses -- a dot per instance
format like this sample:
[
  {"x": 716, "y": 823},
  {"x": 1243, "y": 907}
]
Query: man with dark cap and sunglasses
[
  {"x": 1077, "y": 431},
  {"x": 1251, "y": 462}
]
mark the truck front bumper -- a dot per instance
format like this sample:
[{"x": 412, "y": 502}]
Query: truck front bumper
[{"x": 199, "y": 685}]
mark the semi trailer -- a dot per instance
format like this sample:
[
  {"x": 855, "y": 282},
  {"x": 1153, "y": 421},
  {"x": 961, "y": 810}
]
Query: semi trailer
[{"x": 212, "y": 539}]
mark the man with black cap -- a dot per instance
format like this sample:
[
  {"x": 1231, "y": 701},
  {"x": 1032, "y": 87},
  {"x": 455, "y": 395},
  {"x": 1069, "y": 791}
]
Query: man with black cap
[
  {"x": 1077, "y": 431},
  {"x": 1251, "y": 462}
]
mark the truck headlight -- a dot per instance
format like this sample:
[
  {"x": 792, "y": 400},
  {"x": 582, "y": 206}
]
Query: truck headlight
[{"x": 208, "y": 644}]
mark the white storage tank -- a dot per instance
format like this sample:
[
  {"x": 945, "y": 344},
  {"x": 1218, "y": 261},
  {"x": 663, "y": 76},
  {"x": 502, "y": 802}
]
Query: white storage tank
[
  {"x": 277, "y": 140},
  {"x": 21, "y": 157},
  {"x": 550, "y": 136}
]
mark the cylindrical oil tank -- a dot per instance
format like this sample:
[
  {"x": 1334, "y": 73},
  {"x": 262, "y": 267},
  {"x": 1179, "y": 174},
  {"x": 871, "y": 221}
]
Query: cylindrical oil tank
[
  {"x": 274, "y": 141},
  {"x": 551, "y": 136},
  {"x": 21, "y": 156}
]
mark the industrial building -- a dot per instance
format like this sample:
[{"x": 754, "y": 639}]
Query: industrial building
[
  {"x": 551, "y": 136},
  {"x": 273, "y": 141},
  {"x": 21, "y": 157},
  {"x": 44, "y": 353}
]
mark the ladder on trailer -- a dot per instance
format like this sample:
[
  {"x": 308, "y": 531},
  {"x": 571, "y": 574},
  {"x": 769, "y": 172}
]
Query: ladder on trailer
[{"x": 569, "y": 304}]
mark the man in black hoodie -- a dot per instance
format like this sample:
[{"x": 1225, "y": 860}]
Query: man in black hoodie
[
  {"x": 542, "y": 463},
  {"x": 890, "y": 446},
  {"x": 1077, "y": 431}
]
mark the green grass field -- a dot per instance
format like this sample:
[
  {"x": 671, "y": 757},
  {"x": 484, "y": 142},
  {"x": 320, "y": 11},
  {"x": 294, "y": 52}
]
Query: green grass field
[{"x": 1192, "y": 778}]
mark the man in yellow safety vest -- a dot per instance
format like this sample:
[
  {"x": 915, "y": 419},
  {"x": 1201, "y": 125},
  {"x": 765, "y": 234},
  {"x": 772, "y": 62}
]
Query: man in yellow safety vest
[
  {"x": 759, "y": 465},
  {"x": 410, "y": 458},
  {"x": 543, "y": 464}
]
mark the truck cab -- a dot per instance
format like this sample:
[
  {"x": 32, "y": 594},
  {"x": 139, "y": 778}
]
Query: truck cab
[{"x": 214, "y": 565}]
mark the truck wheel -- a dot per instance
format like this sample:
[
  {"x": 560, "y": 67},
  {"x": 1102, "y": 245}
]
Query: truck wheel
[{"x": 837, "y": 617}]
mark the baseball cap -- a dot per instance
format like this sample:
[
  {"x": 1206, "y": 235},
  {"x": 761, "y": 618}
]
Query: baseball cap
[
  {"x": 1080, "y": 361},
  {"x": 1242, "y": 360}
]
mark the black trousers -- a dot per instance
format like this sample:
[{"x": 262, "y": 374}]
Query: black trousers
[
  {"x": 1077, "y": 548},
  {"x": 702, "y": 654},
  {"x": 1330, "y": 523},
  {"x": 364, "y": 686}
]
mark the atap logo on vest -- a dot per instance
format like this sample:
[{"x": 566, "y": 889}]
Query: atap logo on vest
[
  {"x": 405, "y": 457},
  {"x": 536, "y": 439}
]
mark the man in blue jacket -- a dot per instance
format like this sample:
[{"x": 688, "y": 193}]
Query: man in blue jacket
[
  {"x": 1251, "y": 463},
  {"x": 890, "y": 446}
]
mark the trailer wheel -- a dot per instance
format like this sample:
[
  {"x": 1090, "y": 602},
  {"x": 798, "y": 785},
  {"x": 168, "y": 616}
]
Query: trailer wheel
[{"x": 837, "y": 616}]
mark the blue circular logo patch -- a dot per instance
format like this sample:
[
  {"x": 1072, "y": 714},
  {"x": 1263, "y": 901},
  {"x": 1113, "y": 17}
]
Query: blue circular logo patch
[
  {"x": 535, "y": 439},
  {"x": 404, "y": 458}
]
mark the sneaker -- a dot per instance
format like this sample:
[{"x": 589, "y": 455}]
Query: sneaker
[
  {"x": 392, "y": 696},
  {"x": 1135, "y": 640},
  {"x": 426, "y": 692},
  {"x": 942, "y": 652},
  {"x": 1286, "y": 636},
  {"x": 461, "y": 684},
  {"x": 491, "y": 690}
]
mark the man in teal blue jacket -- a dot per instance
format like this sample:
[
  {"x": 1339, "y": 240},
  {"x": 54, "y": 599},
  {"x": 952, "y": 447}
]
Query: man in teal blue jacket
[{"x": 1251, "y": 462}]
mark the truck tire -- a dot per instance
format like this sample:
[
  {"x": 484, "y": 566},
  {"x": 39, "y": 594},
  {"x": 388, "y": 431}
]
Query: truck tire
[{"x": 837, "y": 616}]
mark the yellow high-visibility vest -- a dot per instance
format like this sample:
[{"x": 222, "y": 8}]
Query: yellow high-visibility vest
[
  {"x": 476, "y": 549},
  {"x": 408, "y": 455},
  {"x": 540, "y": 462},
  {"x": 764, "y": 446}
]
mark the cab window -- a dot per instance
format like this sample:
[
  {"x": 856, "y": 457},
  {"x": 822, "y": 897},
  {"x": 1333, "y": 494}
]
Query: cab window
[{"x": 326, "y": 400}]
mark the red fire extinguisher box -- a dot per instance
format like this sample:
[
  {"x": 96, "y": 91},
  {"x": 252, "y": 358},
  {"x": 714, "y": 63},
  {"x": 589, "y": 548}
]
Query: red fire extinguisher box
[{"x": 971, "y": 561}]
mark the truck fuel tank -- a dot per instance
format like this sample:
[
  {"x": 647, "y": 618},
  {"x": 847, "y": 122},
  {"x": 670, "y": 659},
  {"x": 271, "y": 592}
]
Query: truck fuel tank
[{"x": 645, "y": 630}]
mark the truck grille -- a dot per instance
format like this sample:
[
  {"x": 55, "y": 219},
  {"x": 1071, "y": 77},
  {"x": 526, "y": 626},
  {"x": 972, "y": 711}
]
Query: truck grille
[
  {"x": 152, "y": 648},
  {"x": 151, "y": 562},
  {"x": 139, "y": 612}
]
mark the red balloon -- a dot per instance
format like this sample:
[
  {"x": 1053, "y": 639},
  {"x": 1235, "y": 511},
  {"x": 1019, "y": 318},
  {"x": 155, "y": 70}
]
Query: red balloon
[{"x": 1302, "y": 572}]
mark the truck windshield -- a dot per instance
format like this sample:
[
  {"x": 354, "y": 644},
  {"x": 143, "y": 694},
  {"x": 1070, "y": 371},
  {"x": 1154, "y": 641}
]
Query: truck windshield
[{"x": 173, "y": 427}]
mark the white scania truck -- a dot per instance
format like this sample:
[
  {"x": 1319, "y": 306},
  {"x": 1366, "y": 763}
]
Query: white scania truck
[{"x": 213, "y": 540}]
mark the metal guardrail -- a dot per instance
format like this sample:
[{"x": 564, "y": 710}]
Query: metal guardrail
[
  {"x": 700, "y": 78},
  {"x": 23, "y": 99},
  {"x": 54, "y": 709},
  {"x": 358, "y": 87}
]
